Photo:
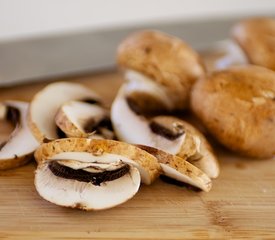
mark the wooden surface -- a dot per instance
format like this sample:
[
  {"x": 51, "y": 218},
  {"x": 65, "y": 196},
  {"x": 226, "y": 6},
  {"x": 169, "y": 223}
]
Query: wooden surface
[{"x": 240, "y": 205}]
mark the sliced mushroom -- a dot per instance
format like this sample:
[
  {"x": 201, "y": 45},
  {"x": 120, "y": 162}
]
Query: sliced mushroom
[
  {"x": 169, "y": 134},
  {"x": 46, "y": 103},
  {"x": 145, "y": 96},
  {"x": 81, "y": 119},
  {"x": 203, "y": 157},
  {"x": 179, "y": 169},
  {"x": 82, "y": 189},
  {"x": 18, "y": 148},
  {"x": 134, "y": 128},
  {"x": 92, "y": 174},
  {"x": 94, "y": 150}
]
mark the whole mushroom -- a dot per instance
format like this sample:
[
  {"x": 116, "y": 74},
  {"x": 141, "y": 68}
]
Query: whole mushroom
[
  {"x": 237, "y": 107},
  {"x": 160, "y": 69}
]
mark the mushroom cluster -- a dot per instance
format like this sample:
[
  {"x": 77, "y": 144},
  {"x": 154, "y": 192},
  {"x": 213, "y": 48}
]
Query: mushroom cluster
[
  {"x": 90, "y": 157},
  {"x": 81, "y": 163}
]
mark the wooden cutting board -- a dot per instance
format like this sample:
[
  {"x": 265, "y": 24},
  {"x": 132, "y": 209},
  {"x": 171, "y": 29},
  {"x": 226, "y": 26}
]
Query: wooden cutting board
[{"x": 240, "y": 205}]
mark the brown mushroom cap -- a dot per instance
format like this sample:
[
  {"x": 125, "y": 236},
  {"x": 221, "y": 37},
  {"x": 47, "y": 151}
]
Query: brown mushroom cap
[
  {"x": 238, "y": 107},
  {"x": 165, "y": 59},
  {"x": 256, "y": 36}
]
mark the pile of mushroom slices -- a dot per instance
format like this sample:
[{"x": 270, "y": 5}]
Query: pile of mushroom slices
[
  {"x": 80, "y": 171},
  {"x": 81, "y": 163},
  {"x": 160, "y": 71},
  {"x": 87, "y": 170},
  {"x": 92, "y": 159}
]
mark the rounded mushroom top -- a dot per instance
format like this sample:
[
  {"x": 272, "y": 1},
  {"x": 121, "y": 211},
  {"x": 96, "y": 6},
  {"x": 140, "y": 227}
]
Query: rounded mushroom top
[
  {"x": 237, "y": 106},
  {"x": 256, "y": 36},
  {"x": 165, "y": 59},
  {"x": 244, "y": 83}
]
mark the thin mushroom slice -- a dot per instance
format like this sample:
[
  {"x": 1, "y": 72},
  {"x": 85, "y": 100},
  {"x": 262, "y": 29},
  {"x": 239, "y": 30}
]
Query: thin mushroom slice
[
  {"x": 81, "y": 119},
  {"x": 18, "y": 148},
  {"x": 139, "y": 130},
  {"x": 195, "y": 147},
  {"x": 97, "y": 150},
  {"x": 145, "y": 96},
  {"x": 46, "y": 103},
  {"x": 179, "y": 169},
  {"x": 84, "y": 188}
]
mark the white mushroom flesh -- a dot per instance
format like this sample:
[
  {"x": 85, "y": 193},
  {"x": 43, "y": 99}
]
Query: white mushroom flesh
[
  {"x": 83, "y": 195},
  {"x": 80, "y": 113},
  {"x": 21, "y": 142},
  {"x": 90, "y": 166},
  {"x": 202, "y": 182},
  {"x": 134, "y": 129},
  {"x": 137, "y": 82},
  {"x": 81, "y": 119},
  {"x": 46, "y": 103},
  {"x": 103, "y": 158}
]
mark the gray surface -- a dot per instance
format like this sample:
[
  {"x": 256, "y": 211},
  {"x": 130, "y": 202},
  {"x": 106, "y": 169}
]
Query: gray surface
[{"x": 44, "y": 58}]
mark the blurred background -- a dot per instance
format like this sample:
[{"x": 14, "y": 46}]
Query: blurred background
[
  {"x": 29, "y": 18},
  {"x": 42, "y": 38}
]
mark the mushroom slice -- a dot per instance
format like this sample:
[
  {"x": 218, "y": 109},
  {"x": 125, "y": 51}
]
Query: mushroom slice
[
  {"x": 46, "y": 103},
  {"x": 99, "y": 150},
  {"x": 194, "y": 148},
  {"x": 179, "y": 169},
  {"x": 81, "y": 119},
  {"x": 146, "y": 96},
  {"x": 18, "y": 148},
  {"x": 138, "y": 130},
  {"x": 89, "y": 186}
]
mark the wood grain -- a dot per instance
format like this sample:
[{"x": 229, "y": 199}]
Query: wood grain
[{"x": 240, "y": 205}]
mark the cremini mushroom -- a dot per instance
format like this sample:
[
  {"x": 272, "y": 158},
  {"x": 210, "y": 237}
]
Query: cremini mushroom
[
  {"x": 45, "y": 104},
  {"x": 179, "y": 169},
  {"x": 256, "y": 36},
  {"x": 134, "y": 128},
  {"x": 253, "y": 43},
  {"x": 237, "y": 107},
  {"x": 92, "y": 174},
  {"x": 18, "y": 148},
  {"x": 82, "y": 119},
  {"x": 156, "y": 62}
]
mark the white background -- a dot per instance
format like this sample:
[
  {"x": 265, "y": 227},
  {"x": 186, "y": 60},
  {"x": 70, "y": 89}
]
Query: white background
[{"x": 27, "y": 18}]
